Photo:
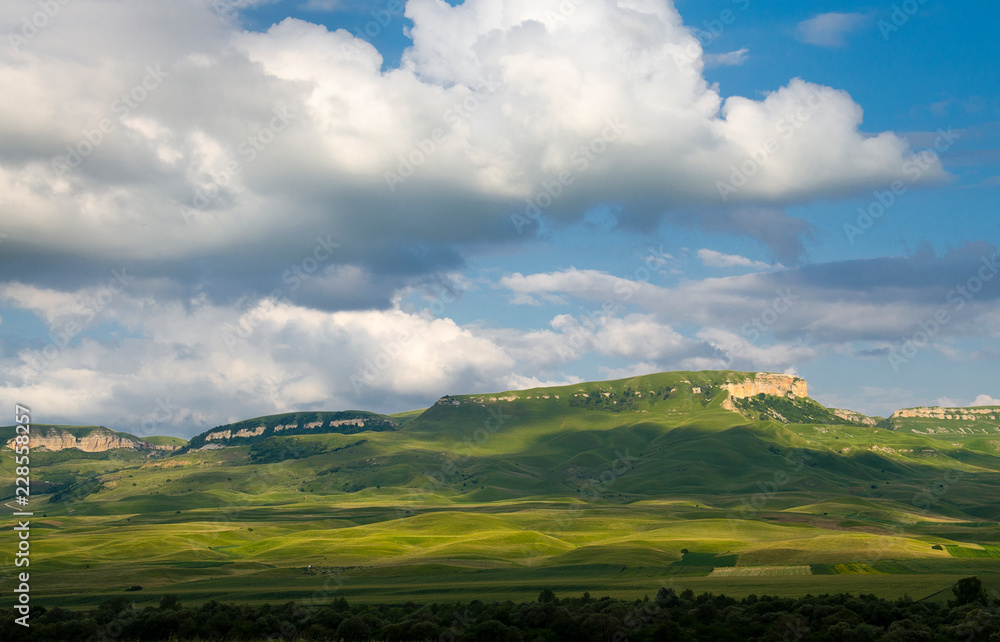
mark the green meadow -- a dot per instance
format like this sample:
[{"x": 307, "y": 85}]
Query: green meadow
[{"x": 614, "y": 488}]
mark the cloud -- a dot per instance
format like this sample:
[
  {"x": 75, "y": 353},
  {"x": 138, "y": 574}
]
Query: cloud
[
  {"x": 829, "y": 29},
  {"x": 283, "y": 185},
  {"x": 866, "y": 301},
  {"x": 211, "y": 361},
  {"x": 985, "y": 400},
  {"x": 262, "y": 355},
  {"x": 711, "y": 258},
  {"x": 588, "y": 284},
  {"x": 322, "y": 5},
  {"x": 729, "y": 59},
  {"x": 198, "y": 180}
]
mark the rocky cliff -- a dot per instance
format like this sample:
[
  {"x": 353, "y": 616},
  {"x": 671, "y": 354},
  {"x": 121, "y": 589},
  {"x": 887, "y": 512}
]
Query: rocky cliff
[
  {"x": 966, "y": 414},
  {"x": 95, "y": 441},
  {"x": 768, "y": 383},
  {"x": 854, "y": 416}
]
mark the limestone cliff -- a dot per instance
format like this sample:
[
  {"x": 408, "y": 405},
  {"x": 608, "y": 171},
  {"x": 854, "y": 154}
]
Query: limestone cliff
[
  {"x": 965, "y": 414},
  {"x": 854, "y": 416},
  {"x": 768, "y": 383},
  {"x": 97, "y": 440}
]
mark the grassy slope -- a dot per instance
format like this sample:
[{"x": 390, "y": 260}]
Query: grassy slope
[{"x": 499, "y": 498}]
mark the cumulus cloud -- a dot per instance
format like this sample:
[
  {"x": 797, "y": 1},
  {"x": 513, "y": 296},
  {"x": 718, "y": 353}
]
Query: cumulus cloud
[
  {"x": 712, "y": 258},
  {"x": 985, "y": 400},
  {"x": 209, "y": 361},
  {"x": 493, "y": 101},
  {"x": 829, "y": 29}
]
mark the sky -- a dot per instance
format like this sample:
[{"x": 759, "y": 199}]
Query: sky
[{"x": 212, "y": 210}]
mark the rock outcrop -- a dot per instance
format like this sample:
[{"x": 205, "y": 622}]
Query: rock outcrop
[
  {"x": 935, "y": 412},
  {"x": 96, "y": 441},
  {"x": 854, "y": 416},
  {"x": 228, "y": 434},
  {"x": 768, "y": 383}
]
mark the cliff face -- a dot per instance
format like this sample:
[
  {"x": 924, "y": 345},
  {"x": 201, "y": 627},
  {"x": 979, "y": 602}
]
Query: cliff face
[
  {"x": 226, "y": 435},
  {"x": 778, "y": 385},
  {"x": 856, "y": 417},
  {"x": 967, "y": 414},
  {"x": 97, "y": 440}
]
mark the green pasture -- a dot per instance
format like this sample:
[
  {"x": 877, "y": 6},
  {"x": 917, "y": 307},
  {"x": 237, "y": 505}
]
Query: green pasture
[{"x": 614, "y": 488}]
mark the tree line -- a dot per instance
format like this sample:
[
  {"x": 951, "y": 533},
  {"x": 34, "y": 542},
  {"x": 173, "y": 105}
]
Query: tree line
[{"x": 972, "y": 616}]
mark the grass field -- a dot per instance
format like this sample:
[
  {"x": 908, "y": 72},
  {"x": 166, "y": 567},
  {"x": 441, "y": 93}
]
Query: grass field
[{"x": 614, "y": 488}]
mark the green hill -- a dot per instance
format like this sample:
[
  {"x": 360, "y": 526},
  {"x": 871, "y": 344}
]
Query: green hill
[
  {"x": 175, "y": 442},
  {"x": 616, "y": 486}
]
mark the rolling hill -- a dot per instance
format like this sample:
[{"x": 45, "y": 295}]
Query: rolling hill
[{"x": 616, "y": 486}]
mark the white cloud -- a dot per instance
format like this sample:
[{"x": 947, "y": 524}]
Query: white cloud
[
  {"x": 589, "y": 284},
  {"x": 521, "y": 382},
  {"x": 632, "y": 370},
  {"x": 830, "y": 304},
  {"x": 729, "y": 59},
  {"x": 830, "y": 29},
  {"x": 211, "y": 361},
  {"x": 738, "y": 352},
  {"x": 534, "y": 90},
  {"x": 321, "y": 5},
  {"x": 711, "y": 258},
  {"x": 985, "y": 400}
]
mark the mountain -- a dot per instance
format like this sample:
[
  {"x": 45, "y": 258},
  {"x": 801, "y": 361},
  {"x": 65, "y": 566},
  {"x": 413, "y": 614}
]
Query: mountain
[{"x": 716, "y": 479}]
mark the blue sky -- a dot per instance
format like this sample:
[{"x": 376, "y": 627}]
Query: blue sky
[{"x": 207, "y": 206}]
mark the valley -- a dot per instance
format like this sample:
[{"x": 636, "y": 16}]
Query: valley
[{"x": 714, "y": 481}]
